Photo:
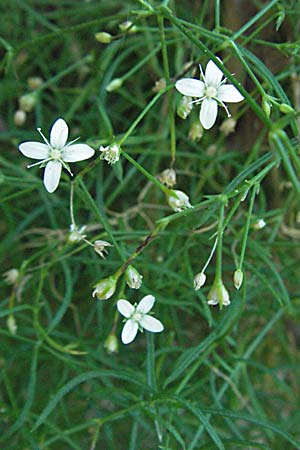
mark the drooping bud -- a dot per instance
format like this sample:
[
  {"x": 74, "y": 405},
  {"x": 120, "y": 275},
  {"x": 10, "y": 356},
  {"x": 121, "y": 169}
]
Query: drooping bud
[
  {"x": 266, "y": 106},
  {"x": 99, "y": 247},
  {"x": 27, "y": 102},
  {"x": 259, "y": 224},
  {"x": 115, "y": 84},
  {"x": 199, "y": 280},
  {"x": 111, "y": 153},
  {"x": 105, "y": 288},
  {"x": 238, "y": 278},
  {"x": 185, "y": 107},
  {"x": 218, "y": 295},
  {"x": 103, "y": 37},
  {"x": 228, "y": 126},
  {"x": 111, "y": 343},
  {"x": 133, "y": 278},
  {"x": 128, "y": 26},
  {"x": 168, "y": 177},
  {"x": 11, "y": 324},
  {"x": 19, "y": 118},
  {"x": 196, "y": 131},
  {"x": 178, "y": 200}
]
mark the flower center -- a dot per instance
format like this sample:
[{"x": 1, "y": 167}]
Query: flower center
[
  {"x": 55, "y": 154},
  {"x": 137, "y": 316},
  {"x": 211, "y": 91}
]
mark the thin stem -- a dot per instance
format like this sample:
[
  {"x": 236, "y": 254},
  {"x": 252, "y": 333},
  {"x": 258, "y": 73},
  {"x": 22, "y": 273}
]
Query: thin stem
[
  {"x": 217, "y": 14},
  {"x": 210, "y": 256},
  {"x": 247, "y": 226},
  {"x": 220, "y": 243},
  {"x": 167, "y": 77},
  {"x": 71, "y": 204}
]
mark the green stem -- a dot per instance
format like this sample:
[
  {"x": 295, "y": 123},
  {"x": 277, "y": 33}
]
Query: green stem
[
  {"x": 167, "y": 77},
  {"x": 247, "y": 226},
  {"x": 220, "y": 242}
]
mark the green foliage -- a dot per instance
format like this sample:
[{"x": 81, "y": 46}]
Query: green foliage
[{"x": 215, "y": 378}]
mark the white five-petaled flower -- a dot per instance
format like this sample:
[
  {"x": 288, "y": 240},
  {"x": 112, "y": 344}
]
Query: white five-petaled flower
[
  {"x": 137, "y": 318},
  {"x": 55, "y": 154},
  {"x": 210, "y": 92}
]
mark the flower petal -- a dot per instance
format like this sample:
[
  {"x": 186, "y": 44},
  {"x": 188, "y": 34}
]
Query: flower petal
[
  {"x": 146, "y": 304},
  {"x": 213, "y": 75},
  {"x": 208, "y": 112},
  {"x": 229, "y": 93},
  {"x": 34, "y": 150},
  {"x": 125, "y": 308},
  {"x": 190, "y": 87},
  {"x": 77, "y": 152},
  {"x": 52, "y": 175},
  {"x": 59, "y": 134},
  {"x": 151, "y": 324},
  {"x": 129, "y": 331}
]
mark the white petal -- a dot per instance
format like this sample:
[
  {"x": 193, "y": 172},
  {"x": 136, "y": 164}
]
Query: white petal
[
  {"x": 59, "y": 134},
  {"x": 34, "y": 150},
  {"x": 129, "y": 331},
  {"x": 146, "y": 304},
  {"x": 77, "y": 152},
  {"x": 229, "y": 93},
  {"x": 190, "y": 87},
  {"x": 208, "y": 112},
  {"x": 125, "y": 308},
  {"x": 151, "y": 324},
  {"x": 52, "y": 175},
  {"x": 213, "y": 75}
]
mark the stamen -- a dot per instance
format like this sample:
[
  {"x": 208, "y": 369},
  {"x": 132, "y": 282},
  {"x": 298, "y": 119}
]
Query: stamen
[
  {"x": 44, "y": 138},
  {"x": 66, "y": 167},
  {"x": 72, "y": 142},
  {"x": 37, "y": 163},
  {"x": 199, "y": 100},
  {"x": 225, "y": 107},
  {"x": 202, "y": 74}
]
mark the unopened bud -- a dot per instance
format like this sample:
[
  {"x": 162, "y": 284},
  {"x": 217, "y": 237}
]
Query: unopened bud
[
  {"x": 76, "y": 234},
  {"x": 111, "y": 153},
  {"x": 199, "y": 280},
  {"x": 133, "y": 278},
  {"x": 259, "y": 224},
  {"x": 185, "y": 107},
  {"x": 115, "y": 84},
  {"x": 11, "y": 276},
  {"x": 266, "y": 106},
  {"x": 168, "y": 177},
  {"x": 11, "y": 324},
  {"x": 105, "y": 288},
  {"x": 238, "y": 278},
  {"x": 111, "y": 343},
  {"x": 128, "y": 26},
  {"x": 103, "y": 37},
  {"x": 159, "y": 85},
  {"x": 19, "y": 118},
  {"x": 178, "y": 200},
  {"x": 35, "y": 82},
  {"x": 218, "y": 295},
  {"x": 228, "y": 126},
  {"x": 196, "y": 131},
  {"x": 286, "y": 109},
  {"x": 27, "y": 102}
]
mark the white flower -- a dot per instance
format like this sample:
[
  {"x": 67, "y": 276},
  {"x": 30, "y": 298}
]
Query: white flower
[
  {"x": 137, "y": 318},
  {"x": 55, "y": 154},
  {"x": 218, "y": 295},
  {"x": 210, "y": 92},
  {"x": 111, "y": 153},
  {"x": 178, "y": 200}
]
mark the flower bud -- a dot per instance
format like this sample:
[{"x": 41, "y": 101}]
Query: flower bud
[
  {"x": 34, "y": 82},
  {"x": 238, "y": 278},
  {"x": 105, "y": 288},
  {"x": 11, "y": 276},
  {"x": 133, "y": 278},
  {"x": 19, "y": 118},
  {"x": 115, "y": 84},
  {"x": 111, "y": 153},
  {"x": 286, "y": 109},
  {"x": 228, "y": 126},
  {"x": 11, "y": 324},
  {"x": 218, "y": 294},
  {"x": 259, "y": 224},
  {"x": 199, "y": 280},
  {"x": 111, "y": 343},
  {"x": 168, "y": 177},
  {"x": 266, "y": 106},
  {"x": 185, "y": 107},
  {"x": 103, "y": 37},
  {"x": 128, "y": 26},
  {"x": 159, "y": 85},
  {"x": 27, "y": 102},
  {"x": 99, "y": 247},
  {"x": 196, "y": 131},
  {"x": 178, "y": 200}
]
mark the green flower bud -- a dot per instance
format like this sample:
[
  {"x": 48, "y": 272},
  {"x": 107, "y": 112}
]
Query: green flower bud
[
  {"x": 115, "y": 84},
  {"x": 103, "y": 37},
  {"x": 105, "y": 288},
  {"x": 238, "y": 278},
  {"x": 286, "y": 109},
  {"x": 111, "y": 343}
]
